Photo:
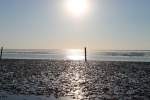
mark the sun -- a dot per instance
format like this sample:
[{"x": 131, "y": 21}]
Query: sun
[{"x": 77, "y": 7}]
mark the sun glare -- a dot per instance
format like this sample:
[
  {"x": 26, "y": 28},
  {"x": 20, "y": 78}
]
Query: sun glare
[
  {"x": 75, "y": 54},
  {"x": 77, "y": 7}
]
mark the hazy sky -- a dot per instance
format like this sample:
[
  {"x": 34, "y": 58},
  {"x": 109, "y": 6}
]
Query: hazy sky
[{"x": 46, "y": 24}]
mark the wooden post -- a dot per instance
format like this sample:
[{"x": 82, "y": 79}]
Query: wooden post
[
  {"x": 1, "y": 53},
  {"x": 85, "y": 54}
]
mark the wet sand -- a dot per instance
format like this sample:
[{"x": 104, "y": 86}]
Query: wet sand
[{"x": 93, "y": 80}]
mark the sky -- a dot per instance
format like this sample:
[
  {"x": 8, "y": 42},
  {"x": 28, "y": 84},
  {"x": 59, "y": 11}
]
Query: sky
[{"x": 46, "y": 24}]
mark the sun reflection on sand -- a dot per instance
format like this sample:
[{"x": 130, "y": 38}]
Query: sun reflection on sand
[
  {"x": 76, "y": 80},
  {"x": 73, "y": 80}
]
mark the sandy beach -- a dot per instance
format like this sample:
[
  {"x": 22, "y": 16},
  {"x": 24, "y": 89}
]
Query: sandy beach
[{"x": 94, "y": 80}]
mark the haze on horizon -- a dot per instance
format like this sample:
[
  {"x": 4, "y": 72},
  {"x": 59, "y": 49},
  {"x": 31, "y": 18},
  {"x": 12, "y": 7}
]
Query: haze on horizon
[{"x": 55, "y": 24}]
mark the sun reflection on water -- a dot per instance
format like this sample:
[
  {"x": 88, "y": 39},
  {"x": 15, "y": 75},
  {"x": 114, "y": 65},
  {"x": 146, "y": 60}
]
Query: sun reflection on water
[{"x": 75, "y": 54}]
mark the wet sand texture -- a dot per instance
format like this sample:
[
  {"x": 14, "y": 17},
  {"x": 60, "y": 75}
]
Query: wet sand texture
[{"x": 77, "y": 79}]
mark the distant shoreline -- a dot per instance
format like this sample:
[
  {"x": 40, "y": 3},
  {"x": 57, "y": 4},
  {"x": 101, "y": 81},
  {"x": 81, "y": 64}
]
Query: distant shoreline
[{"x": 89, "y": 61}]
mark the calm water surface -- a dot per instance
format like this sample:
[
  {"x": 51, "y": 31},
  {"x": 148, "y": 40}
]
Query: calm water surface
[{"x": 77, "y": 54}]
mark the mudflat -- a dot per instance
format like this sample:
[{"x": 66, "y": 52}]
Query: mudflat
[{"x": 100, "y": 80}]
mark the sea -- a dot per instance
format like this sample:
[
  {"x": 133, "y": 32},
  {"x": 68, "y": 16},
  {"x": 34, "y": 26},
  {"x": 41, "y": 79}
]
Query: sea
[{"x": 78, "y": 54}]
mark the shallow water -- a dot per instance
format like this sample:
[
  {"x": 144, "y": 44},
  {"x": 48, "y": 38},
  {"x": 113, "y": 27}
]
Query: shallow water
[{"x": 77, "y": 54}]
